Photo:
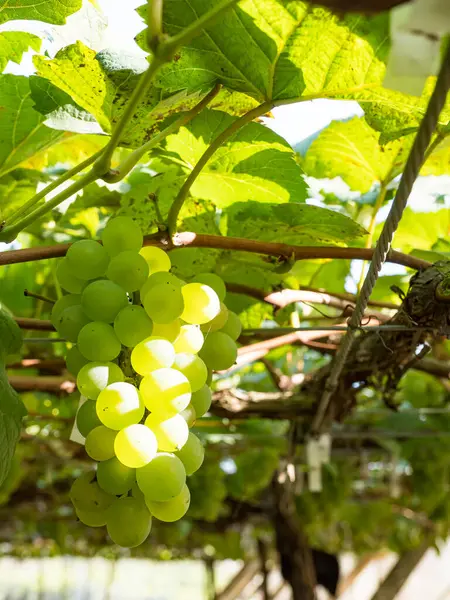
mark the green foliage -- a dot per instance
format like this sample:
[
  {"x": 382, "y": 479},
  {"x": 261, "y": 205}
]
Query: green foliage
[
  {"x": 49, "y": 11},
  {"x": 13, "y": 44}
]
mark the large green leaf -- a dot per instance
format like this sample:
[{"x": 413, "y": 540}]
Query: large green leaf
[
  {"x": 439, "y": 161},
  {"x": 13, "y": 44},
  {"x": 254, "y": 164},
  {"x": 291, "y": 223},
  {"x": 351, "y": 150},
  {"x": 421, "y": 230},
  {"x": 16, "y": 188},
  {"x": 49, "y": 11},
  {"x": 11, "y": 407},
  {"x": 23, "y": 132},
  {"x": 275, "y": 50}
]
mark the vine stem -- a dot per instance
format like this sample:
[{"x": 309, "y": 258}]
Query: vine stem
[
  {"x": 190, "y": 239},
  {"x": 29, "y": 294},
  {"x": 177, "y": 204}
]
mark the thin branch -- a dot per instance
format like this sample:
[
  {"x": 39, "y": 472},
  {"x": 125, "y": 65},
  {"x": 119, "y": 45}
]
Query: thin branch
[
  {"x": 34, "y": 324},
  {"x": 131, "y": 160},
  {"x": 177, "y": 204},
  {"x": 262, "y": 551},
  {"x": 29, "y": 294},
  {"x": 240, "y": 581},
  {"x": 23, "y": 383},
  {"x": 350, "y": 297},
  {"x": 193, "y": 240},
  {"x": 50, "y": 364}
]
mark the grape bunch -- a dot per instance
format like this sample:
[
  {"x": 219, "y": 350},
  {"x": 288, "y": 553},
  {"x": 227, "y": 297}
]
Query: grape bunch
[{"x": 144, "y": 346}]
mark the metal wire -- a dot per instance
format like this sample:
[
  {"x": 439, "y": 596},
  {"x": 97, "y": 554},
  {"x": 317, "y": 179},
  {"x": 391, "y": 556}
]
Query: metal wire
[
  {"x": 275, "y": 331},
  {"x": 410, "y": 174}
]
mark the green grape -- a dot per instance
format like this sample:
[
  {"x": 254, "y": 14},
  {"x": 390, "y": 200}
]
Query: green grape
[
  {"x": 189, "y": 415},
  {"x": 201, "y": 401},
  {"x": 87, "y": 418},
  {"x": 233, "y": 326},
  {"x": 135, "y": 446},
  {"x": 219, "y": 351},
  {"x": 114, "y": 477},
  {"x": 164, "y": 303},
  {"x": 201, "y": 303},
  {"x": 165, "y": 392},
  {"x": 128, "y": 522},
  {"x": 214, "y": 281},
  {"x": 218, "y": 322},
  {"x": 61, "y": 304},
  {"x": 71, "y": 322},
  {"x": 102, "y": 300},
  {"x": 87, "y": 259},
  {"x": 190, "y": 339},
  {"x": 120, "y": 405},
  {"x": 129, "y": 270},
  {"x": 153, "y": 353},
  {"x": 98, "y": 342},
  {"x": 86, "y": 494},
  {"x": 120, "y": 234},
  {"x": 172, "y": 510},
  {"x": 95, "y": 376},
  {"x": 191, "y": 454},
  {"x": 92, "y": 518},
  {"x": 209, "y": 378},
  {"x": 159, "y": 278},
  {"x": 168, "y": 331},
  {"x": 67, "y": 280},
  {"x": 156, "y": 258},
  {"x": 75, "y": 361},
  {"x": 193, "y": 368},
  {"x": 100, "y": 443},
  {"x": 163, "y": 478},
  {"x": 171, "y": 434},
  {"x": 132, "y": 325}
]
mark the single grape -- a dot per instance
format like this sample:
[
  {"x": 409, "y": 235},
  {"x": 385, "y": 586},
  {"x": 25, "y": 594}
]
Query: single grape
[
  {"x": 172, "y": 510},
  {"x": 114, "y": 477},
  {"x": 218, "y": 322},
  {"x": 95, "y": 376},
  {"x": 165, "y": 392},
  {"x": 153, "y": 353},
  {"x": 189, "y": 415},
  {"x": 132, "y": 325},
  {"x": 92, "y": 518},
  {"x": 190, "y": 339},
  {"x": 164, "y": 303},
  {"x": 128, "y": 522},
  {"x": 201, "y": 401},
  {"x": 67, "y": 280},
  {"x": 102, "y": 300},
  {"x": 86, "y": 494},
  {"x": 71, "y": 322},
  {"x": 75, "y": 361},
  {"x": 100, "y": 443},
  {"x": 201, "y": 303},
  {"x": 135, "y": 446},
  {"x": 214, "y": 281},
  {"x": 233, "y": 326},
  {"x": 191, "y": 454},
  {"x": 98, "y": 342},
  {"x": 193, "y": 368},
  {"x": 120, "y": 234},
  {"x": 160, "y": 278},
  {"x": 163, "y": 478},
  {"x": 87, "y": 418},
  {"x": 219, "y": 351},
  {"x": 168, "y": 331},
  {"x": 156, "y": 258},
  {"x": 171, "y": 434},
  {"x": 87, "y": 259},
  {"x": 120, "y": 405},
  {"x": 61, "y": 304},
  {"x": 129, "y": 270}
]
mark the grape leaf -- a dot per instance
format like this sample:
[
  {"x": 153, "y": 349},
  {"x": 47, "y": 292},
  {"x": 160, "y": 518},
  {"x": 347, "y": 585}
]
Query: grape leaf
[
  {"x": 292, "y": 223},
  {"x": 13, "y": 44},
  {"x": 439, "y": 161},
  {"x": 11, "y": 407},
  {"x": 49, "y": 11},
  {"x": 351, "y": 150},
  {"x": 274, "y": 50},
  {"x": 254, "y": 164},
  {"x": 23, "y": 132},
  {"x": 16, "y": 188},
  {"x": 420, "y": 230}
]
